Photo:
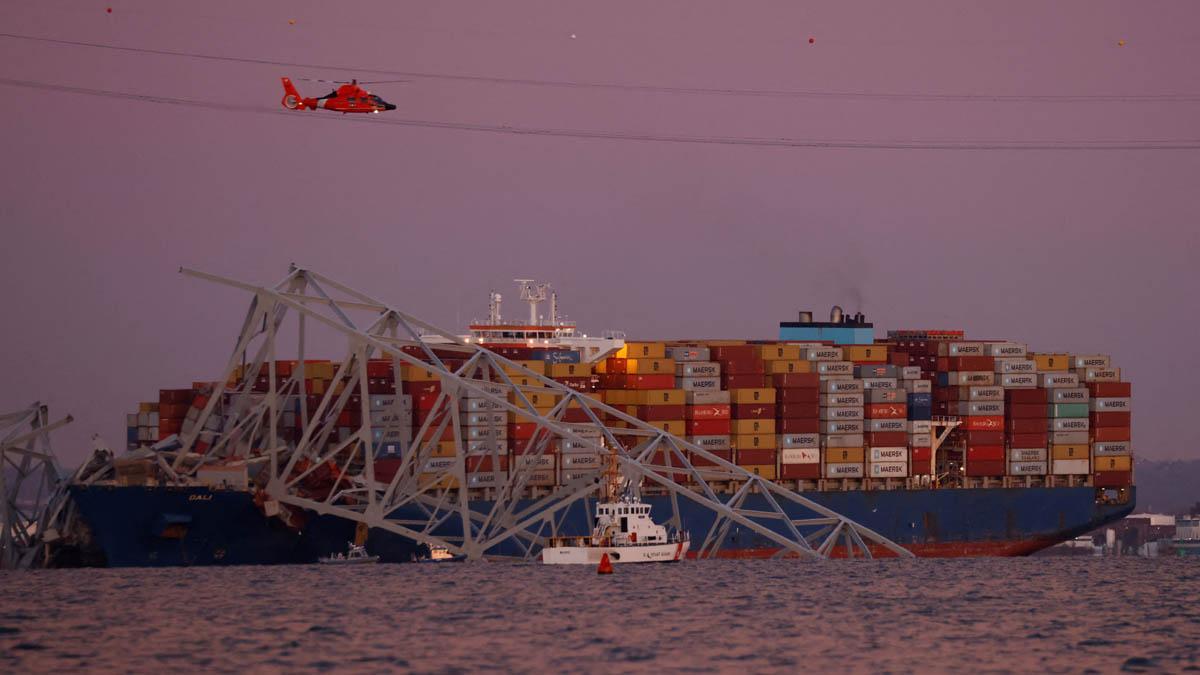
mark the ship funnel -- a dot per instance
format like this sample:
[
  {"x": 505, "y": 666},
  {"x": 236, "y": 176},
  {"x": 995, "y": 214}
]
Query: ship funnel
[
  {"x": 835, "y": 314},
  {"x": 805, "y": 317}
]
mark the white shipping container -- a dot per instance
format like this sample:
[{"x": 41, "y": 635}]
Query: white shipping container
[
  {"x": 385, "y": 417},
  {"x": 711, "y": 442},
  {"x": 918, "y": 386},
  {"x": 1058, "y": 379},
  {"x": 579, "y": 461},
  {"x": 968, "y": 408},
  {"x": 698, "y": 383},
  {"x": 888, "y": 469},
  {"x": 1006, "y": 349},
  {"x": 1102, "y": 375},
  {"x": 910, "y": 373},
  {"x": 1068, "y": 437},
  {"x": 841, "y": 386},
  {"x": 583, "y": 430},
  {"x": 843, "y": 470},
  {"x": 698, "y": 397},
  {"x": 577, "y": 447},
  {"x": 484, "y": 479},
  {"x": 487, "y": 446},
  {"x": 886, "y": 396},
  {"x": 876, "y": 425},
  {"x": 842, "y": 427},
  {"x": 842, "y": 413},
  {"x": 879, "y": 383},
  {"x": 688, "y": 353},
  {"x": 962, "y": 349},
  {"x": 798, "y": 440},
  {"x": 1069, "y": 424},
  {"x": 842, "y": 441},
  {"x": 1091, "y": 361},
  {"x": 480, "y": 433},
  {"x": 1027, "y": 455},
  {"x": 842, "y": 400},
  {"x": 571, "y": 475},
  {"x": 1021, "y": 365},
  {"x": 825, "y": 368},
  {"x": 1110, "y": 448},
  {"x": 143, "y": 420},
  {"x": 479, "y": 419},
  {"x": 1069, "y": 395},
  {"x": 391, "y": 435},
  {"x": 477, "y": 405},
  {"x": 1027, "y": 469},
  {"x": 404, "y": 402},
  {"x": 535, "y": 462},
  {"x": 1119, "y": 404},
  {"x": 985, "y": 393},
  {"x": 438, "y": 465},
  {"x": 799, "y": 456},
  {"x": 698, "y": 369},
  {"x": 965, "y": 378},
  {"x": 919, "y": 427},
  {"x": 1017, "y": 380},
  {"x": 920, "y": 440},
  {"x": 821, "y": 354},
  {"x": 541, "y": 478},
  {"x": 1070, "y": 467},
  {"x": 896, "y": 454}
]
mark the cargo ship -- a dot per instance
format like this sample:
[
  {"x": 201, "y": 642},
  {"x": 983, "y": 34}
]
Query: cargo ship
[{"x": 946, "y": 446}]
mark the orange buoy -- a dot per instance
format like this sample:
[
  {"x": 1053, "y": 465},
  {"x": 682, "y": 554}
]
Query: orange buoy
[{"x": 605, "y": 566}]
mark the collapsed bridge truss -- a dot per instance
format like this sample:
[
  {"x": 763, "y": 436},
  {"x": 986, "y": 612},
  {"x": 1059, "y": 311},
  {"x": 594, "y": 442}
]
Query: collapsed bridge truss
[{"x": 453, "y": 502}]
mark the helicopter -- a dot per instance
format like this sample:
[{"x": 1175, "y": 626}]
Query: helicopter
[{"x": 347, "y": 98}]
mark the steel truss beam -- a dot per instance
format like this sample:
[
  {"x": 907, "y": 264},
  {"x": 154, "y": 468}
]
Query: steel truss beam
[
  {"x": 424, "y": 499},
  {"x": 31, "y": 485}
]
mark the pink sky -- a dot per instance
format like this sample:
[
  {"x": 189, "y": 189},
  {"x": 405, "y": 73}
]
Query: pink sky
[{"x": 103, "y": 200}]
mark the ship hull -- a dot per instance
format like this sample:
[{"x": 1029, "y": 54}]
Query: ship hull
[{"x": 155, "y": 526}]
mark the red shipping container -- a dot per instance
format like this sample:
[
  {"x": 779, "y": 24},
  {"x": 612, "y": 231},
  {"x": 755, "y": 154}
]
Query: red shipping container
[
  {"x": 984, "y": 422},
  {"x": 447, "y": 433},
  {"x": 1040, "y": 440},
  {"x": 1111, "y": 418},
  {"x": 743, "y": 381},
  {"x": 984, "y": 437},
  {"x": 1110, "y": 389},
  {"x": 1026, "y": 426},
  {"x": 753, "y": 411},
  {"x": 574, "y": 414},
  {"x": 984, "y": 453},
  {"x": 166, "y": 427},
  {"x": 800, "y": 471},
  {"x": 666, "y": 381},
  {"x": 900, "y": 359},
  {"x": 1111, "y": 434},
  {"x": 797, "y": 410},
  {"x": 986, "y": 468},
  {"x": 1027, "y": 396},
  {"x": 960, "y": 363},
  {"x": 485, "y": 463},
  {"x": 615, "y": 365},
  {"x": 711, "y": 427},
  {"x": 349, "y": 418},
  {"x": 611, "y": 381},
  {"x": 379, "y": 368},
  {"x": 521, "y": 430},
  {"x": 756, "y": 457},
  {"x": 425, "y": 401},
  {"x": 1112, "y": 479},
  {"x": 743, "y": 367},
  {"x": 885, "y": 411},
  {"x": 175, "y": 396},
  {"x": 732, "y": 352},
  {"x": 659, "y": 413},
  {"x": 797, "y": 426},
  {"x": 796, "y": 380},
  {"x": 713, "y": 411},
  {"x": 920, "y": 455},
  {"x": 797, "y": 395},
  {"x": 1026, "y": 410},
  {"x": 887, "y": 439},
  {"x": 415, "y": 389},
  {"x": 726, "y": 455},
  {"x": 577, "y": 383}
]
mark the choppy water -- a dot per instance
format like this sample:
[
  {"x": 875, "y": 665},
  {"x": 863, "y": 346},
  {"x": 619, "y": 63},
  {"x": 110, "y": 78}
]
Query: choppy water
[{"x": 1037, "y": 614}]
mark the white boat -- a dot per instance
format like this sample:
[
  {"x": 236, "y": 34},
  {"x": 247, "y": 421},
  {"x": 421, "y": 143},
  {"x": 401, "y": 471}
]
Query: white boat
[
  {"x": 355, "y": 555},
  {"x": 441, "y": 554},
  {"x": 623, "y": 529}
]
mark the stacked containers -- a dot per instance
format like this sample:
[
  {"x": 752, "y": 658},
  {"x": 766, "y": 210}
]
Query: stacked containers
[
  {"x": 840, "y": 408},
  {"x": 798, "y": 423},
  {"x": 707, "y": 412},
  {"x": 885, "y": 420},
  {"x": 918, "y": 395},
  {"x": 752, "y": 408},
  {"x": 173, "y": 407},
  {"x": 1026, "y": 436},
  {"x": 966, "y": 374},
  {"x": 1110, "y": 413},
  {"x": 1067, "y": 423}
]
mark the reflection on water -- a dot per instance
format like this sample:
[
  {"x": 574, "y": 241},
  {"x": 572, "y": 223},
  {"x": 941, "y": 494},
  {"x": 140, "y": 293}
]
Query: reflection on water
[{"x": 1050, "y": 614}]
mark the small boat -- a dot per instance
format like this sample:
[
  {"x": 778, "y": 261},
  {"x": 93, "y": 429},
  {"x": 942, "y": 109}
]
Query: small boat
[
  {"x": 440, "y": 554},
  {"x": 355, "y": 555},
  {"x": 623, "y": 530}
]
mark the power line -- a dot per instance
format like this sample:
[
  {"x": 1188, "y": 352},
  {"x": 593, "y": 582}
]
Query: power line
[
  {"x": 632, "y": 136},
  {"x": 645, "y": 88}
]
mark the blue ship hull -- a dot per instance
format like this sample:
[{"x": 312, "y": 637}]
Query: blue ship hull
[{"x": 158, "y": 526}]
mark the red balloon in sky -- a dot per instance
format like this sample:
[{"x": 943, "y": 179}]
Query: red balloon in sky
[
  {"x": 109, "y": 10},
  {"x": 812, "y": 40}
]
